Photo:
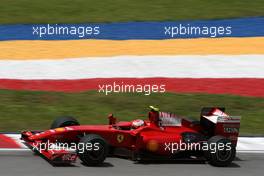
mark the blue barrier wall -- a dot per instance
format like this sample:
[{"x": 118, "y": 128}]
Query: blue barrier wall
[{"x": 244, "y": 27}]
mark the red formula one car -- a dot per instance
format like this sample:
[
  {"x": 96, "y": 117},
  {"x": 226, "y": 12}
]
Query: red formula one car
[{"x": 162, "y": 136}]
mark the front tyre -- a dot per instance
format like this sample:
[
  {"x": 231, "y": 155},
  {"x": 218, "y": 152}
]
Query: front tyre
[
  {"x": 92, "y": 150},
  {"x": 221, "y": 151},
  {"x": 63, "y": 122}
]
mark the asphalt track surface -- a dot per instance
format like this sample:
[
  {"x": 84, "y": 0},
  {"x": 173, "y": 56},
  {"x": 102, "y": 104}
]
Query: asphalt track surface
[{"x": 20, "y": 163}]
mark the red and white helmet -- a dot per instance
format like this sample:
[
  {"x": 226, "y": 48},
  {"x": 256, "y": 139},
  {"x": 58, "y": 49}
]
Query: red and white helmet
[{"x": 137, "y": 123}]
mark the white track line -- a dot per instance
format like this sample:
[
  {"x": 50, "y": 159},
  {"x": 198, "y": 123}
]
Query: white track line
[
  {"x": 250, "y": 143},
  {"x": 250, "y": 151},
  {"x": 192, "y": 66},
  {"x": 13, "y": 149}
]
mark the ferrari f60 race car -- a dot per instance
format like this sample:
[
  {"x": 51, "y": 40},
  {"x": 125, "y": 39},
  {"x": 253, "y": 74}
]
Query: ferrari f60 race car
[{"x": 162, "y": 136}]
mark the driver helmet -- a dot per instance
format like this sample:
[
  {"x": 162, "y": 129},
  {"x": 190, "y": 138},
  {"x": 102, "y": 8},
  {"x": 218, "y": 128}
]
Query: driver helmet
[{"x": 137, "y": 123}]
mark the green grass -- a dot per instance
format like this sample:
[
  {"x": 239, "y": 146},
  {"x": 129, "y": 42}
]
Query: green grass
[
  {"x": 21, "y": 110},
  {"x": 82, "y": 11}
]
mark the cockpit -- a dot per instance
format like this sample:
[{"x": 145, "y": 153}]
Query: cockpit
[{"x": 155, "y": 119}]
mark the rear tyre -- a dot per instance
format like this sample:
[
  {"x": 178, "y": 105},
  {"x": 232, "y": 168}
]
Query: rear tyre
[
  {"x": 220, "y": 156},
  {"x": 63, "y": 122},
  {"x": 94, "y": 150}
]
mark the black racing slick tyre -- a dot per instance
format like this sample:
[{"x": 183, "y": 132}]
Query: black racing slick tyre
[
  {"x": 221, "y": 151},
  {"x": 63, "y": 122},
  {"x": 94, "y": 150}
]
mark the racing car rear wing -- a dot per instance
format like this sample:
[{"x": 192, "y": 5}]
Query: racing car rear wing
[
  {"x": 216, "y": 122},
  {"x": 228, "y": 127}
]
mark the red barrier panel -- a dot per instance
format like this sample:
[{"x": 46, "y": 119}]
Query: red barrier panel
[{"x": 236, "y": 86}]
